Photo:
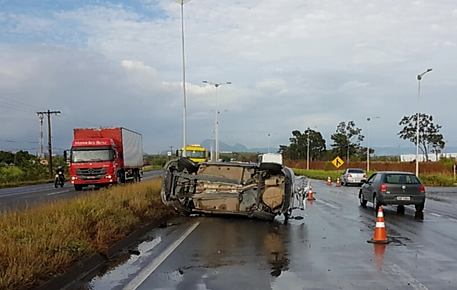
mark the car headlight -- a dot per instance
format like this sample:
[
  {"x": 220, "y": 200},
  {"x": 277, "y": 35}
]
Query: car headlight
[
  {"x": 74, "y": 177},
  {"x": 108, "y": 176}
]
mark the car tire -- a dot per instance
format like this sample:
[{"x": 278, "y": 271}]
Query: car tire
[
  {"x": 362, "y": 200},
  {"x": 420, "y": 207},
  {"x": 78, "y": 187},
  {"x": 376, "y": 203},
  {"x": 188, "y": 164}
]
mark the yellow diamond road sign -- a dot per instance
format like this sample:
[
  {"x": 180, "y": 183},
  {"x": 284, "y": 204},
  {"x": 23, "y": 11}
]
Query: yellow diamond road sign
[{"x": 337, "y": 162}]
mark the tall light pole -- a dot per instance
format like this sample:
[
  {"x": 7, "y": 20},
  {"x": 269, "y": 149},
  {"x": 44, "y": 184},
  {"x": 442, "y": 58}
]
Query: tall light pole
[
  {"x": 368, "y": 146},
  {"x": 269, "y": 141},
  {"x": 419, "y": 77},
  {"x": 216, "y": 85},
  {"x": 184, "y": 152},
  {"x": 307, "y": 150}
]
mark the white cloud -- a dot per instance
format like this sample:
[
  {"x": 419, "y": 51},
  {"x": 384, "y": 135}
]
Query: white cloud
[{"x": 292, "y": 64}]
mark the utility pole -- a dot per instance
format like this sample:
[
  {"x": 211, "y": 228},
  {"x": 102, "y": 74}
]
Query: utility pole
[
  {"x": 171, "y": 152},
  {"x": 41, "y": 117},
  {"x": 48, "y": 113}
]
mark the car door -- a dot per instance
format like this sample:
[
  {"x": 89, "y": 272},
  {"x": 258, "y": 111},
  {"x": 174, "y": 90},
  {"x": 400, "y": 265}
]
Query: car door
[{"x": 367, "y": 188}]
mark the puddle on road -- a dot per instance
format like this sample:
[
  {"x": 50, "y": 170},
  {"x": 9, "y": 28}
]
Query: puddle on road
[{"x": 126, "y": 265}]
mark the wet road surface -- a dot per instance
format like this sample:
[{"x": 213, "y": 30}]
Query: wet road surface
[{"x": 323, "y": 247}]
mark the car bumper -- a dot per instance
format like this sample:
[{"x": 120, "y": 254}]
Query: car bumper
[
  {"x": 354, "y": 180},
  {"x": 389, "y": 199}
]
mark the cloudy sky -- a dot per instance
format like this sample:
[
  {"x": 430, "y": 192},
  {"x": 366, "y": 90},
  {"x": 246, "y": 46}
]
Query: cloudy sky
[{"x": 293, "y": 64}]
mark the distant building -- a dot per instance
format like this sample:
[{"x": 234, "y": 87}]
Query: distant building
[{"x": 431, "y": 157}]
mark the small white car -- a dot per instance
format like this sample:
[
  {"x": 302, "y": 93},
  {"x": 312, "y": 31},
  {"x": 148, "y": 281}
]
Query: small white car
[{"x": 353, "y": 176}]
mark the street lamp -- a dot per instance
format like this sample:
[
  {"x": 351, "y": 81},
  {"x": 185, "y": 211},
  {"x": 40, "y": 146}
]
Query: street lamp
[
  {"x": 307, "y": 150},
  {"x": 419, "y": 77},
  {"x": 216, "y": 121},
  {"x": 184, "y": 152},
  {"x": 368, "y": 142},
  {"x": 269, "y": 142}
]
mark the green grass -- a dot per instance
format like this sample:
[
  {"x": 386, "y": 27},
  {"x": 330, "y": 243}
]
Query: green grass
[
  {"x": 427, "y": 179},
  {"x": 43, "y": 242}
]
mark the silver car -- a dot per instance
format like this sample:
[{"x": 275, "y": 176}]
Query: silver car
[{"x": 353, "y": 176}]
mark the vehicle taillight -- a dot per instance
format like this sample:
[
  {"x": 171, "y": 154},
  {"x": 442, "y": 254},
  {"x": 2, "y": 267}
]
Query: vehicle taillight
[
  {"x": 364, "y": 176},
  {"x": 422, "y": 189},
  {"x": 349, "y": 175},
  {"x": 383, "y": 187}
]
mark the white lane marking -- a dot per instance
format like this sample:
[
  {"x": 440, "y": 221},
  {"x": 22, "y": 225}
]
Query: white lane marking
[
  {"x": 328, "y": 204},
  {"x": 454, "y": 220},
  {"x": 407, "y": 277},
  {"x": 435, "y": 214},
  {"x": 143, "y": 275},
  {"x": 58, "y": 192}
]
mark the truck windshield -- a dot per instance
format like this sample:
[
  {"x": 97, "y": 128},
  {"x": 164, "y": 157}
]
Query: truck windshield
[
  {"x": 92, "y": 155},
  {"x": 196, "y": 154}
]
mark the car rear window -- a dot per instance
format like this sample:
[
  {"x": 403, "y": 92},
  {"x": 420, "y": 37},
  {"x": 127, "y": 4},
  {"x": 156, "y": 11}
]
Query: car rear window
[
  {"x": 401, "y": 178},
  {"x": 356, "y": 171}
]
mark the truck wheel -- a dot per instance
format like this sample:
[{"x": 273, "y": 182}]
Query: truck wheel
[
  {"x": 78, "y": 187},
  {"x": 120, "y": 178}
]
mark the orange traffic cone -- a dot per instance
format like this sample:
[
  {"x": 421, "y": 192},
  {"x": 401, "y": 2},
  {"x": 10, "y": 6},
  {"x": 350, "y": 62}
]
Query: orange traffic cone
[
  {"x": 380, "y": 236},
  {"x": 329, "y": 181},
  {"x": 338, "y": 182},
  {"x": 310, "y": 194}
]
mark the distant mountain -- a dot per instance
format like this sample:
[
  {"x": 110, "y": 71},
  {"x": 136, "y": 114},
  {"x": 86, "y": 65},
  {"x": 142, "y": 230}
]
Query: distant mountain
[{"x": 223, "y": 147}]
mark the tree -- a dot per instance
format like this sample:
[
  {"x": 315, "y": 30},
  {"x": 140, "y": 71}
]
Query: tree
[
  {"x": 343, "y": 145},
  {"x": 316, "y": 144},
  {"x": 6, "y": 157},
  {"x": 429, "y": 136},
  {"x": 297, "y": 150}
]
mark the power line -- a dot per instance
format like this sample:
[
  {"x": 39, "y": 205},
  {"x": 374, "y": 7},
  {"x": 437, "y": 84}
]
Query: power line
[
  {"x": 11, "y": 141},
  {"x": 21, "y": 103}
]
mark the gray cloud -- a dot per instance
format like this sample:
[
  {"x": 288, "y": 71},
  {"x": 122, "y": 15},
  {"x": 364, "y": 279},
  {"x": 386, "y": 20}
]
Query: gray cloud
[{"x": 292, "y": 65}]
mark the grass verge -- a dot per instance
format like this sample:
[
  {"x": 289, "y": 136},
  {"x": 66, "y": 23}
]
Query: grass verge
[
  {"x": 40, "y": 243},
  {"x": 427, "y": 179}
]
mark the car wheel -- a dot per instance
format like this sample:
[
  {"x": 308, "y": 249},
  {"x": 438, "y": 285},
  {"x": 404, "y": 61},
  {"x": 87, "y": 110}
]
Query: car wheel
[
  {"x": 420, "y": 207},
  {"x": 376, "y": 203},
  {"x": 362, "y": 200}
]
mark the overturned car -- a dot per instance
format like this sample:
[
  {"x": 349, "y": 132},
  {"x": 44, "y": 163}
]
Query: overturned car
[{"x": 260, "y": 190}]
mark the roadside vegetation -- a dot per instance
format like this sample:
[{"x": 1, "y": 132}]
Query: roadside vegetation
[{"x": 40, "y": 243}]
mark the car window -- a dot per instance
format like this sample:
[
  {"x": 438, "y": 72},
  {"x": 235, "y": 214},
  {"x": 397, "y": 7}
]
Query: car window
[
  {"x": 378, "y": 178},
  {"x": 356, "y": 171},
  {"x": 372, "y": 177},
  {"x": 401, "y": 178}
]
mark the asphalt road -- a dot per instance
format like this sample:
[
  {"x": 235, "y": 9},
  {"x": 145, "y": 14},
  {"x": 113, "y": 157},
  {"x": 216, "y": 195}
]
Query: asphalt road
[
  {"x": 323, "y": 247},
  {"x": 29, "y": 196}
]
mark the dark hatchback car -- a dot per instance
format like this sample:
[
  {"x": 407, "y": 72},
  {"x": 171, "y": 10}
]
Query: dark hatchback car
[{"x": 393, "y": 188}]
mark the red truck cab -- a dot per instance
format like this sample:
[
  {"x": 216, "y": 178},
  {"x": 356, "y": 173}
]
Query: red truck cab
[{"x": 104, "y": 156}]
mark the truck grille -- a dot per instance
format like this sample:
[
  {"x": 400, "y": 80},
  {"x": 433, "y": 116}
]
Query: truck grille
[{"x": 91, "y": 173}]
